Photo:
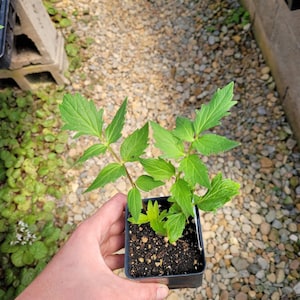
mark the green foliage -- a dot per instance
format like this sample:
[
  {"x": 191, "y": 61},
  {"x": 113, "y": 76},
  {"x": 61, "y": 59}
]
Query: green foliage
[
  {"x": 108, "y": 174},
  {"x": 180, "y": 161},
  {"x": 220, "y": 192},
  {"x": 114, "y": 130},
  {"x": 74, "y": 45},
  {"x": 134, "y": 200},
  {"x": 154, "y": 216},
  {"x": 135, "y": 144},
  {"x": 31, "y": 178},
  {"x": 81, "y": 116},
  {"x": 238, "y": 16},
  {"x": 58, "y": 16}
]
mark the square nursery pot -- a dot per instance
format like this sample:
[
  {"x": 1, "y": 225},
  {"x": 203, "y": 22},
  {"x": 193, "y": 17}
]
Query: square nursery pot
[
  {"x": 150, "y": 258},
  {"x": 7, "y": 19}
]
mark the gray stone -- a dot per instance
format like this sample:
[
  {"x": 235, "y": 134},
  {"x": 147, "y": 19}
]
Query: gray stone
[
  {"x": 260, "y": 274},
  {"x": 270, "y": 217},
  {"x": 263, "y": 263},
  {"x": 253, "y": 268},
  {"x": 297, "y": 288},
  {"x": 239, "y": 263},
  {"x": 277, "y": 224}
]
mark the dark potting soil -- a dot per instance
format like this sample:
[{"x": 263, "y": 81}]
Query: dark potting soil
[{"x": 152, "y": 255}]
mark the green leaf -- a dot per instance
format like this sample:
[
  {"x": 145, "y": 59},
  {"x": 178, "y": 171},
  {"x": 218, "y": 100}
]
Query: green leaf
[
  {"x": 38, "y": 250},
  {"x": 210, "y": 114},
  {"x": 114, "y": 129},
  {"x": 28, "y": 258},
  {"x": 182, "y": 194},
  {"x": 147, "y": 183},
  {"x": 194, "y": 171},
  {"x": 134, "y": 201},
  {"x": 65, "y": 22},
  {"x": 143, "y": 219},
  {"x": 17, "y": 257},
  {"x": 92, "y": 151},
  {"x": 152, "y": 210},
  {"x": 184, "y": 129},
  {"x": 81, "y": 115},
  {"x": 159, "y": 169},
  {"x": 108, "y": 174},
  {"x": 175, "y": 226},
  {"x": 135, "y": 144},
  {"x": 210, "y": 144},
  {"x": 156, "y": 217},
  {"x": 6, "y": 247},
  {"x": 9, "y": 277},
  {"x": 221, "y": 191},
  {"x": 27, "y": 276},
  {"x": 167, "y": 142}
]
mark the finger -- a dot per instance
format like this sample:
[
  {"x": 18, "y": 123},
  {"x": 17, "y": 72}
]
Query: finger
[
  {"x": 113, "y": 244},
  {"x": 115, "y": 261},
  {"x": 117, "y": 227},
  {"x": 144, "y": 291},
  {"x": 107, "y": 215}
]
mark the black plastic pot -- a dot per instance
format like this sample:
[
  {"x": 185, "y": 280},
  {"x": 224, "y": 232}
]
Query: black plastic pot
[
  {"x": 183, "y": 280},
  {"x": 293, "y": 4},
  {"x": 7, "y": 19}
]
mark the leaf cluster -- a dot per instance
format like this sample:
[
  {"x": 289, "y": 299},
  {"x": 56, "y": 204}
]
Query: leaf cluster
[
  {"x": 180, "y": 161},
  {"x": 31, "y": 178}
]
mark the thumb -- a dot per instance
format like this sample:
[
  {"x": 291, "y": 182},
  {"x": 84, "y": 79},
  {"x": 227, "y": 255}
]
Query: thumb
[{"x": 147, "y": 291}]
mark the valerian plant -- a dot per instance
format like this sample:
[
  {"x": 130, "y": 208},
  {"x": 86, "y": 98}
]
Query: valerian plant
[{"x": 180, "y": 161}]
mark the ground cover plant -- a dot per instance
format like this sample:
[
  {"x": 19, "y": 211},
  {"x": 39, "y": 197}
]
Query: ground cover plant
[
  {"x": 180, "y": 160},
  {"x": 32, "y": 172},
  {"x": 32, "y": 180}
]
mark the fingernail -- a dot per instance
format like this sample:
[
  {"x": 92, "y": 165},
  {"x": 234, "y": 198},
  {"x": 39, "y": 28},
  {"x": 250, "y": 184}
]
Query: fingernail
[{"x": 162, "y": 292}]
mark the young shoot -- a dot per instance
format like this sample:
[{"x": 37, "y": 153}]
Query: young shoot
[{"x": 181, "y": 160}]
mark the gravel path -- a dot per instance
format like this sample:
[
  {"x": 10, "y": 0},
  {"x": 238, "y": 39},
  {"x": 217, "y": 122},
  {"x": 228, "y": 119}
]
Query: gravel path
[{"x": 168, "y": 57}]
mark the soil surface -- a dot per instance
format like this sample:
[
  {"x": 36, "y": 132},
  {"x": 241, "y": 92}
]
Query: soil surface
[{"x": 152, "y": 255}]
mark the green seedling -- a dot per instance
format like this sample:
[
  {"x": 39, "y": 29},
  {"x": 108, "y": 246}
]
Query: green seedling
[{"x": 179, "y": 163}]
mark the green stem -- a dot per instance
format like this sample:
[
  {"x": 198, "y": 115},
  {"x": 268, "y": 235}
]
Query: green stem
[{"x": 118, "y": 159}]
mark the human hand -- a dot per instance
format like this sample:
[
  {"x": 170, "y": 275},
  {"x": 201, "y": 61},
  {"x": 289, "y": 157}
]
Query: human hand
[{"x": 82, "y": 269}]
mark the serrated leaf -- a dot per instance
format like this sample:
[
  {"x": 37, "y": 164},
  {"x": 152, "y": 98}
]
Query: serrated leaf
[
  {"x": 114, "y": 130},
  {"x": 38, "y": 250},
  {"x": 135, "y": 144},
  {"x": 81, "y": 115},
  {"x": 156, "y": 218},
  {"x": 221, "y": 191},
  {"x": 92, "y": 151},
  {"x": 194, "y": 171},
  {"x": 167, "y": 142},
  {"x": 209, "y": 144},
  {"x": 175, "y": 225},
  {"x": 134, "y": 201},
  {"x": 159, "y": 169},
  {"x": 143, "y": 219},
  {"x": 147, "y": 183},
  {"x": 152, "y": 210},
  {"x": 210, "y": 114},
  {"x": 184, "y": 129},
  {"x": 181, "y": 192},
  {"x": 108, "y": 174}
]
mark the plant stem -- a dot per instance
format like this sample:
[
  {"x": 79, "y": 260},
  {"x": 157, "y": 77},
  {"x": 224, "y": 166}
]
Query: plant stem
[{"x": 118, "y": 159}]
